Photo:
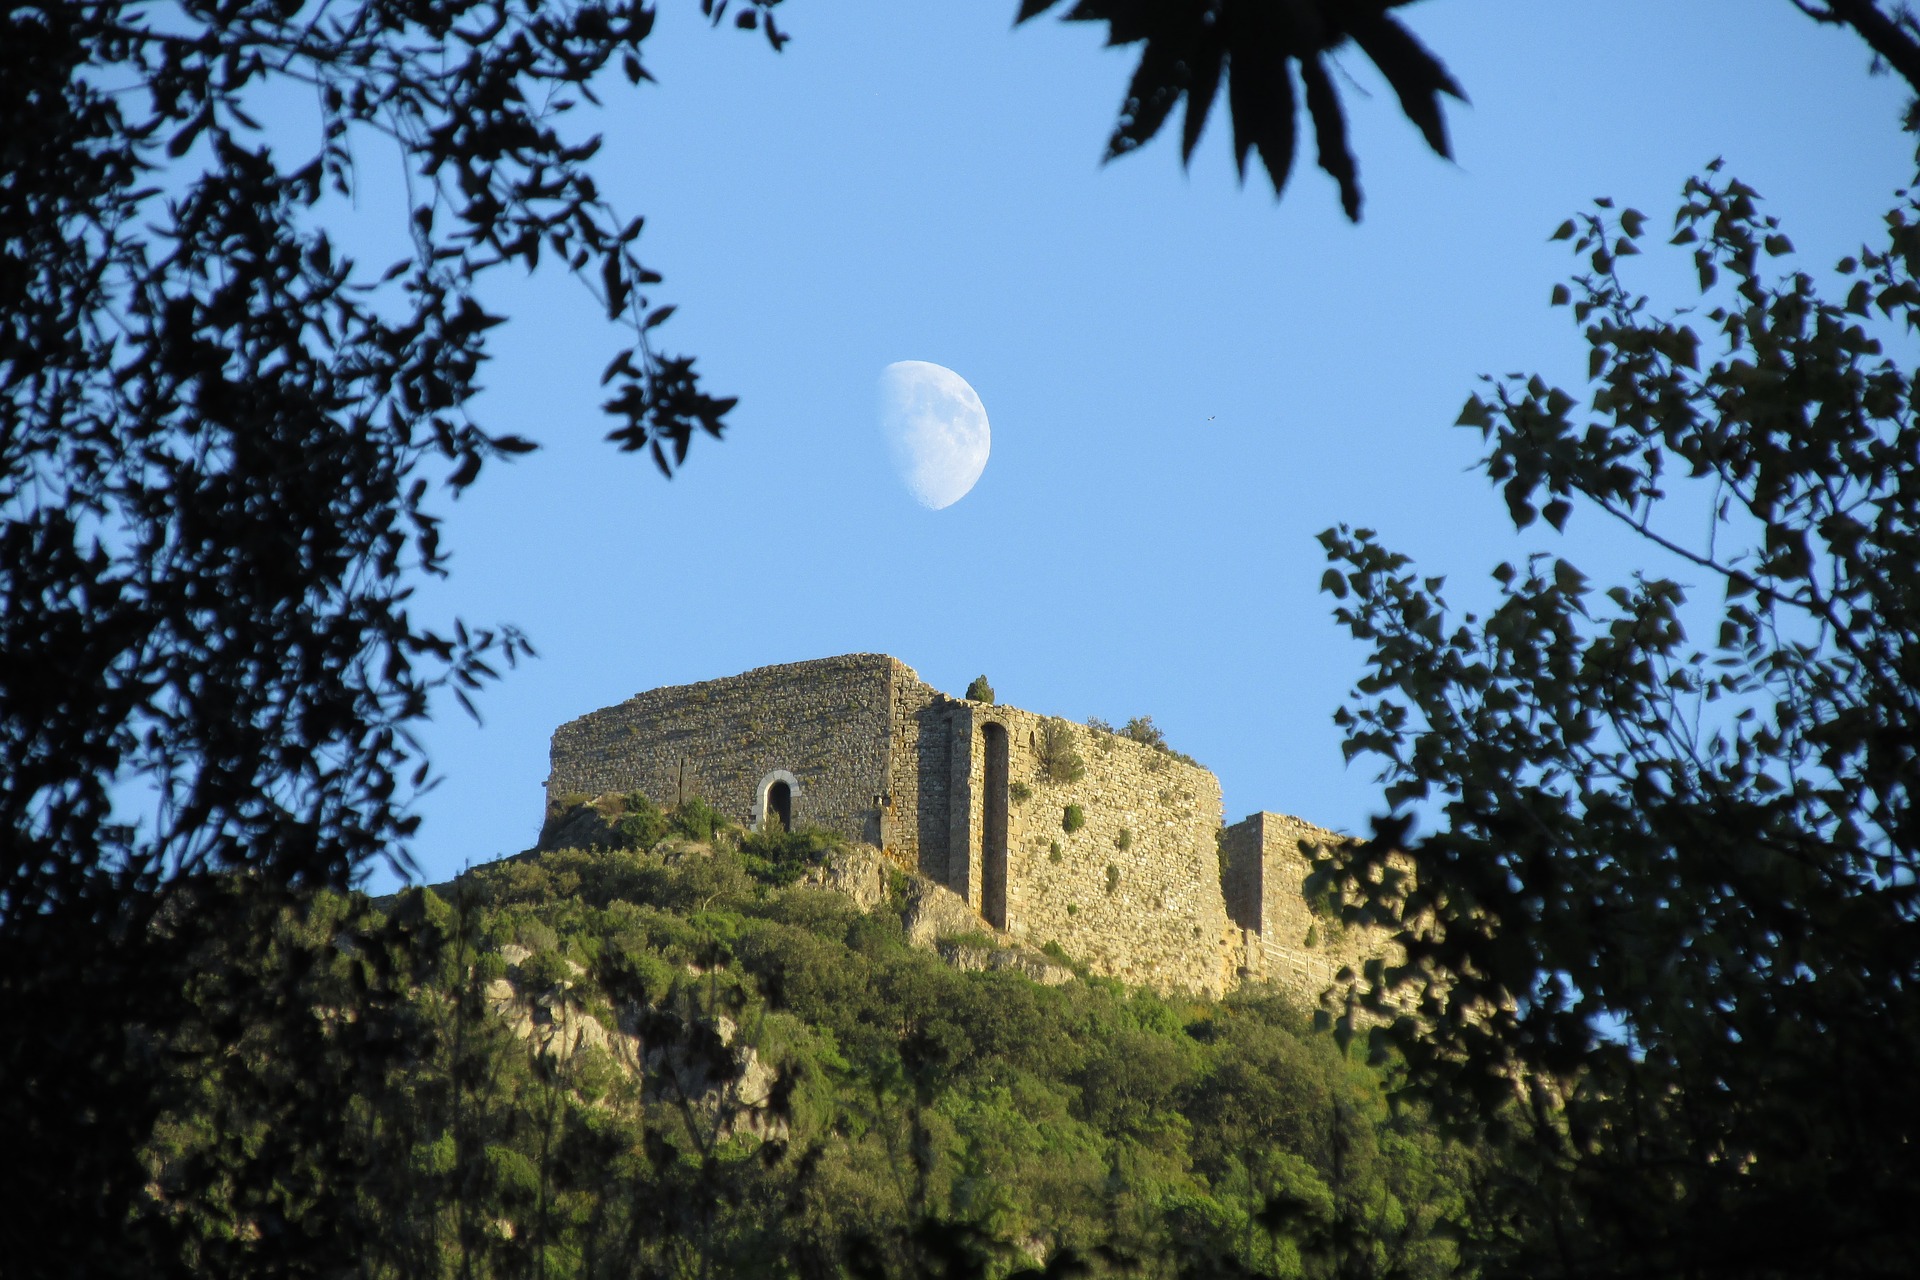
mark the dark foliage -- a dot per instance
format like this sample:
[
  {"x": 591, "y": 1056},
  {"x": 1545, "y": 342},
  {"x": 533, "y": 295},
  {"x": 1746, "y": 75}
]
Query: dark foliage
[
  {"x": 1258, "y": 48},
  {"x": 217, "y": 442},
  {"x": 1667, "y": 930}
]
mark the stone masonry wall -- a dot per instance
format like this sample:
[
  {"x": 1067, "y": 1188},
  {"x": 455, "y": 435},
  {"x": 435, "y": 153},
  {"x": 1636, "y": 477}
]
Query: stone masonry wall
[
  {"x": 1286, "y": 942},
  {"x": 882, "y": 757},
  {"x": 917, "y": 819},
  {"x": 1150, "y": 913},
  {"x": 825, "y": 722}
]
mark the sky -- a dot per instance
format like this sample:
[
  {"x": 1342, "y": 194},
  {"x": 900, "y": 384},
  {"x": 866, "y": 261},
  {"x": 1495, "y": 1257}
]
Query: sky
[{"x": 1186, "y": 379}]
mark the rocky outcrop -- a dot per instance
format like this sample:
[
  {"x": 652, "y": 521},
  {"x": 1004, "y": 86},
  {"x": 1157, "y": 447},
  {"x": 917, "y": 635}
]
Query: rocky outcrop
[
  {"x": 857, "y": 872},
  {"x": 973, "y": 958},
  {"x": 933, "y": 911},
  {"x": 556, "y": 1024},
  {"x": 698, "y": 1063}
]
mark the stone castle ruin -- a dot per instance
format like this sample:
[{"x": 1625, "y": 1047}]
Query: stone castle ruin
[{"x": 1051, "y": 832}]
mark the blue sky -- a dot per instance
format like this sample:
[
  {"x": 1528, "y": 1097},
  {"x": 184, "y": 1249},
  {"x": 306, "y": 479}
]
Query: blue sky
[{"x": 1186, "y": 380}]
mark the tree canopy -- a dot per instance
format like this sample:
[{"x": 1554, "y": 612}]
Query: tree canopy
[
  {"x": 1663, "y": 928},
  {"x": 219, "y": 440}
]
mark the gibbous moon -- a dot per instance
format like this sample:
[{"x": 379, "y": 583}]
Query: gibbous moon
[{"x": 936, "y": 430}]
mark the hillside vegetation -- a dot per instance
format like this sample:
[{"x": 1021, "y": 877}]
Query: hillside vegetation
[{"x": 678, "y": 1055}]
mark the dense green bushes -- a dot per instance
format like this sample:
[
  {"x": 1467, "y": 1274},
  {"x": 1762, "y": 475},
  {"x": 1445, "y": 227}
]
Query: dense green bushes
[{"x": 774, "y": 1083}]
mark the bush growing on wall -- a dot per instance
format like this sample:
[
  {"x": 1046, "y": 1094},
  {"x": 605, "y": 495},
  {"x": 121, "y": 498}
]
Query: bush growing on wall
[
  {"x": 1059, "y": 761},
  {"x": 980, "y": 691},
  {"x": 1124, "y": 840},
  {"x": 1073, "y": 819},
  {"x": 1144, "y": 731},
  {"x": 1020, "y": 793}
]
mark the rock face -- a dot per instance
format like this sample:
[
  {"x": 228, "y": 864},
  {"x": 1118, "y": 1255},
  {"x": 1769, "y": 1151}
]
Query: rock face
[
  {"x": 701, "y": 1063},
  {"x": 934, "y": 911},
  {"x": 556, "y": 1025},
  {"x": 970, "y": 958},
  {"x": 858, "y": 873},
  {"x": 931, "y": 915}
]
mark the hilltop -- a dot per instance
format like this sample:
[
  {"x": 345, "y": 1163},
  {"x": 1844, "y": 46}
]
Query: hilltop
[{"x": 702, "y": 1050}]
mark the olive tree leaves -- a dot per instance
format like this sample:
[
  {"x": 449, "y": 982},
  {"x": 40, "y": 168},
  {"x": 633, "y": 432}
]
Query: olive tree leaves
[{"x": 1258, "y": 47}]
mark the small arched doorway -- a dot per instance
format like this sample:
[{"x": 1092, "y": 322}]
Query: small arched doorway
[
  {"x": 773, "y": 801},
  {"x": 993, "y": 827}
]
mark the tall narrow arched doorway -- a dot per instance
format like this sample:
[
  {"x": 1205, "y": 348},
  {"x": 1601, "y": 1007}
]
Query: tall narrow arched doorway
[
  {"x": 993, "y": 827},
  {"x": 773, "y": 801}
]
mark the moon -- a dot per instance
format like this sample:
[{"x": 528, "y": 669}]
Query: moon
[{"x": 936, "y": 431}]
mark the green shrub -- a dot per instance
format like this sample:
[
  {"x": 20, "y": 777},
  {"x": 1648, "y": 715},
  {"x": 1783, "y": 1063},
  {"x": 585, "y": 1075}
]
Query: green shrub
[
  {"x": 980, "y": 691},
  {"x": 781, "y": 857},
  {"x": 697, "y": 820},
  {"x": 1053, "y": 852},
  {"x": 1143, "y": 730},
  {"x": 642, "y": 826},
  {"x": 535, "y": 935},
  {"x": 1073, "y": 908},
  {"x": 1113, "y": 879},
  {"x": 544, "y": 970},
  {"x": 1059, "y": 762},
  {"x": 1073, "y": 818},
  {"x": 630, "y": 969},
  {"x": 1124, "y": 840},
  {"x": 1020, "y": 793},
  {"x": 975, "y": 939}
]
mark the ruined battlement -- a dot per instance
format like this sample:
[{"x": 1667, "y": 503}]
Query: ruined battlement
[{"x": 1052, "y": 832}]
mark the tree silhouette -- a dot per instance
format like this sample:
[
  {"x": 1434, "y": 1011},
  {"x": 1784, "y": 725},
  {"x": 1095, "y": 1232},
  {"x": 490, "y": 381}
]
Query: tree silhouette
[
  {"x": 218, "y": 441},
  {"x": 1260, "y": 47},
  {"x": 1664, "y": 929}
]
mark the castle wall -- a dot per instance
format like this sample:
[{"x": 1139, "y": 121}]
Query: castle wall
[
  {"x": 917, "y": 819},
  {"x": 827, "y": 723},
  {"x": 1157, "y": 917},
  {"x": 957, "y": 790},
  {"x": 1286, "y": 942}
]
